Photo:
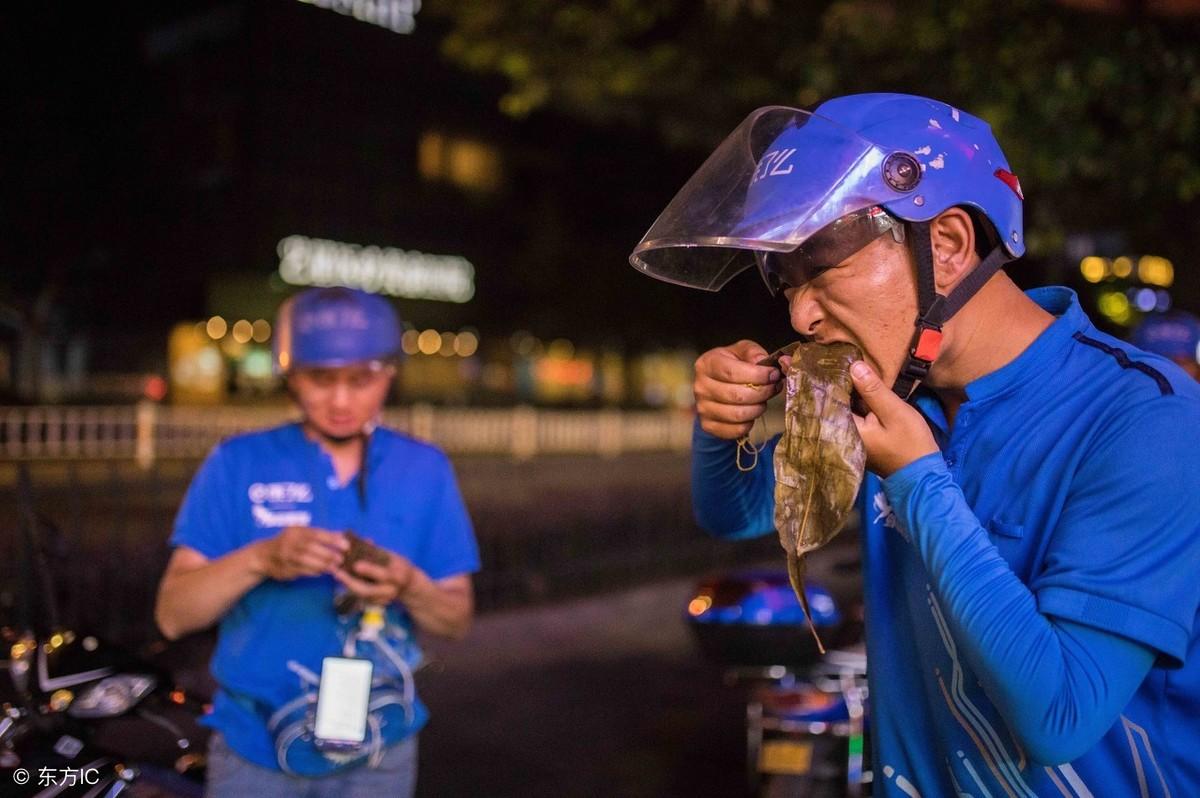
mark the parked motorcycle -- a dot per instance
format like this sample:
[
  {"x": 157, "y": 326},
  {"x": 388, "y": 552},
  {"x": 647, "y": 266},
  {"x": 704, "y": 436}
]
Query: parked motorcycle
[
  {"x": 806, "y": 711},
  {"x": 79, "y": 717}
]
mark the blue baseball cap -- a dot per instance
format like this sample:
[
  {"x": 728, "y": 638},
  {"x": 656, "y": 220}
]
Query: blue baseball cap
[{"x": 331, "y": 327}]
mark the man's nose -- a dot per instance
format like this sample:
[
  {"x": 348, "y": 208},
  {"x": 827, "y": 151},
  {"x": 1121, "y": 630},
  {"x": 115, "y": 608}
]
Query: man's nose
[
  {"x": 803, "y": 310},
  {"x": 340, "y": 396}
]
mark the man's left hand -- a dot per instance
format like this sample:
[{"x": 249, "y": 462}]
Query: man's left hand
[
  {"x": 893, "y": 432},
  {"x": 378, "y": 584}
]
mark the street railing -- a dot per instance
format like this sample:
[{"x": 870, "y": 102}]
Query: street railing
[{"x": 146, "y": 432}]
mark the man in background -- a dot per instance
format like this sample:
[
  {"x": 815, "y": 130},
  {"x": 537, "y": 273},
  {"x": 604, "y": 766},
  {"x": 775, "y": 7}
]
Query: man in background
[{"x": 261, "y": 546}]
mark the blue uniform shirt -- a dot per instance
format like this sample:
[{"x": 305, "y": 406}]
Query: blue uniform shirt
[
  {"x": 249, "y": 488},
  {"x": 1064, "y": 501}
]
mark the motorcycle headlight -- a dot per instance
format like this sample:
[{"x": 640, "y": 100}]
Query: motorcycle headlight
[{"x": 112, "y": 696}]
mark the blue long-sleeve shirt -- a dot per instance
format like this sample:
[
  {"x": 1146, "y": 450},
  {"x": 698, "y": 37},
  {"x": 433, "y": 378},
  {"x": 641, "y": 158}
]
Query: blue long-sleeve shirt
[{"x": 1031, "y": 597}]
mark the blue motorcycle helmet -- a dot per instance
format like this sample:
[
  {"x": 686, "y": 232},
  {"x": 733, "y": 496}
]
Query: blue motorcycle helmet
[
  {"x": 818, "y": 186},
  {"x": 332, "y": 327},
  {"x": 1174, "y": 335}
]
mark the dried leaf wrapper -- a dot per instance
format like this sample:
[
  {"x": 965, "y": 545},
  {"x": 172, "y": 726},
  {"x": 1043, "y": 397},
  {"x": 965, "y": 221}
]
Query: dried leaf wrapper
[{"x": 820, "y": 459}]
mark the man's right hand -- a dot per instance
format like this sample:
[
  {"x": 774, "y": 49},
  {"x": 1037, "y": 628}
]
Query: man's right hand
[
  {"x": 732, "y": 390},
  {"x": 301, "y": 551}
]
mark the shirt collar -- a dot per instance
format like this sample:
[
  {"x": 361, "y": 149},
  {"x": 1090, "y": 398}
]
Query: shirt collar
[
  {"x": 1039, "y": 356},
  {"x": 320, "y": 456}
]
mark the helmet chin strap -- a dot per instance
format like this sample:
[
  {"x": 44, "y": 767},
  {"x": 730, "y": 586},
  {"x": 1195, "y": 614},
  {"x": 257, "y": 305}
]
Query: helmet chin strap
[{"x": 934, "y": 309}]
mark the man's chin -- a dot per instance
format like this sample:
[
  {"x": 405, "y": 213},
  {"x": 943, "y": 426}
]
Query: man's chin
[{"x": 337, "y": 432}]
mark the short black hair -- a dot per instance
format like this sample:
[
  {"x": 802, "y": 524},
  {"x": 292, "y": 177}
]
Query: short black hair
[{"x": 986, "y": 237}]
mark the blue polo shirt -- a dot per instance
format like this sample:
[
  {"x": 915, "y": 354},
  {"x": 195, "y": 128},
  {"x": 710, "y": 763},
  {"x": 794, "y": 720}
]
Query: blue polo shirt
[
  {"x": 249, "y": 488},
  {"x": 1060, "y": 521}
]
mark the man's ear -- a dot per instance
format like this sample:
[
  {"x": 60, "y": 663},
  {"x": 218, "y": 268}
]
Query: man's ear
[{"x": 952, "y": 236}]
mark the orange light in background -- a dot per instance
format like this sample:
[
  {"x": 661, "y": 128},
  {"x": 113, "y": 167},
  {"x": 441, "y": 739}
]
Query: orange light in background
[
  {"x": 1155, "y": 270},
  {"x": 575, "y": 373},
  {"x": 196, "y": 370},
  {"x": 216, "y": 328},
  {"x": 1093, "y": 268},
  {"x": 408, "y": 342},
  {"x": 466, "y": 343},
  {"x": 699, "y": 605},
  {"x": 430, "y": 155},
  {"x": 1122, "y": 267},
  {"x": 429, "y": 342},
  {"x": 177, "y": 696},
  {"x": 447, "y": 346},
  {"x": 243, "y": 331},
  {"x": 468, "y": 163},
  {"x": 474, "y": 165},
  {"x": 61, "y": 699},
  {"x": 261, "y": 331}
]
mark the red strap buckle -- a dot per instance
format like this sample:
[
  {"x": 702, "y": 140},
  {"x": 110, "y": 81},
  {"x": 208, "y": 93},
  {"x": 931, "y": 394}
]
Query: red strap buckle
[{"x": 929, "y": 343}]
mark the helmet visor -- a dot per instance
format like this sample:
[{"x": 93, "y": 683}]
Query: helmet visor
[{"x": 780, "y": 177}]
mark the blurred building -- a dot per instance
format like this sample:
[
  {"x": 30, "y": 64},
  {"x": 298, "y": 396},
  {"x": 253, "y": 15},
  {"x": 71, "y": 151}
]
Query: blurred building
[
  {"x": 201, "y": 159},
  {"x": 222, "y": 360}
]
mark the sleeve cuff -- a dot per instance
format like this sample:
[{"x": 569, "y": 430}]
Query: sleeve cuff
[
  {"x": 209, "y": 551},
  {"x": 468, "y": 567}
]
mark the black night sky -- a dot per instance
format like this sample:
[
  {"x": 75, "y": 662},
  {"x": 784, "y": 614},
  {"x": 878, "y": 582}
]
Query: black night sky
[{"x": 157, "y": 153}]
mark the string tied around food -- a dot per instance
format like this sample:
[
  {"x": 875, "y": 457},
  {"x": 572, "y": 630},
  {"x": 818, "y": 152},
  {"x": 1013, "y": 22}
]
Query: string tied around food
[{"x": 749, "y": 448}]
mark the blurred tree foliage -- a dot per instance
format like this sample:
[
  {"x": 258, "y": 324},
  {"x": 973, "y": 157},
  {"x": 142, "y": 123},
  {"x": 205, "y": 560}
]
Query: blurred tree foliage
[{"x": 1099, "y": 113}]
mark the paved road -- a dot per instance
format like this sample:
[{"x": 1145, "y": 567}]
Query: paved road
[
  {"x": 595, "y": 697},
  {"x": 603, "y": 696}
]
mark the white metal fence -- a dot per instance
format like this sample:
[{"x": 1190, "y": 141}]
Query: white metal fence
[{"x": 147, "y": 431}]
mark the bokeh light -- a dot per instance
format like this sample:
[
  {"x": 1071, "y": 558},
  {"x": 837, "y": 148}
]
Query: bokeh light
[
  {"x": 243, "y": 331},
  {"x": 429, "y": 342},
  {"x": 1155, "y": 270},
  {"x": 466, "y": 344},
  {"x": 1093, "y": 268},
  {"x": 408, "y": 342},
  {"x": 1115, "y": 306},
  {"x": 261, "y": 331}
]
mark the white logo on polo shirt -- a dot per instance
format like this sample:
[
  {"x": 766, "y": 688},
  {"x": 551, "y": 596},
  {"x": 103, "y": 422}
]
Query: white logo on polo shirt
[
  {"x": 279, "y": 518},
  {"x": 280, "y": 492},
  {"x": 273, "y": 504}
]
